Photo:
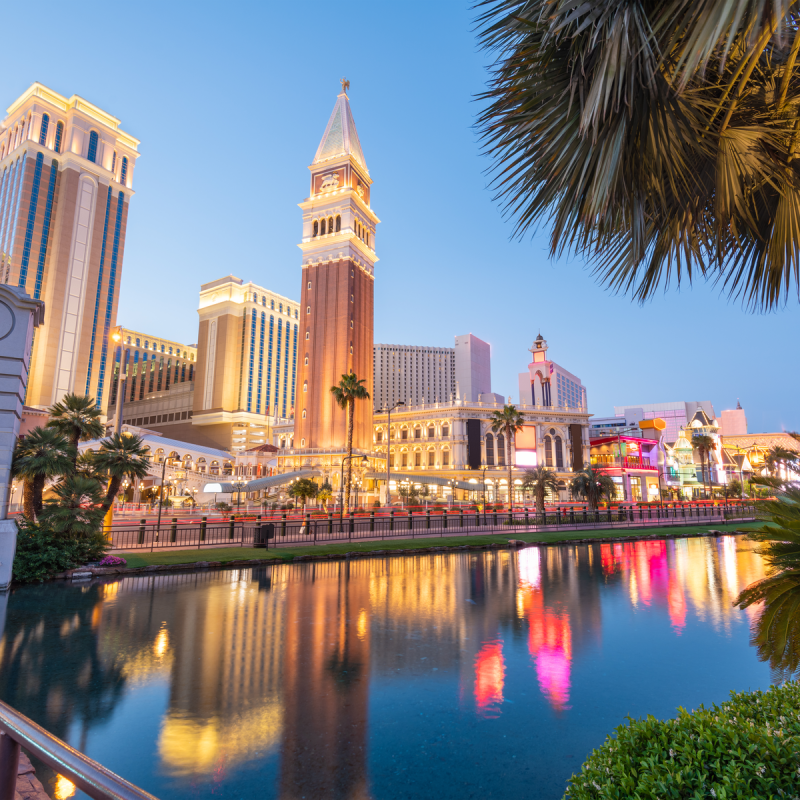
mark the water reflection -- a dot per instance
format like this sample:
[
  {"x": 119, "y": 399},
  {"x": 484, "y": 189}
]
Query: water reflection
[{"x": 288, "y": 664}]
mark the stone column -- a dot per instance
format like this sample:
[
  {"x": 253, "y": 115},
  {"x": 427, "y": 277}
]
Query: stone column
[{"x": 19, "y": 315}]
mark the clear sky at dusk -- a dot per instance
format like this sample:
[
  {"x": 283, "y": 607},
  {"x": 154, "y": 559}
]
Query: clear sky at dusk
[{"x": 230, "y": 102}]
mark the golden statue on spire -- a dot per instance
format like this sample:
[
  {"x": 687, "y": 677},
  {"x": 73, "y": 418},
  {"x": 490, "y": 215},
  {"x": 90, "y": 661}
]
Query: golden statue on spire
[{"x": 345, "y": 84}]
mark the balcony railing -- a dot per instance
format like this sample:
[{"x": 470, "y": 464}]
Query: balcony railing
[
  {"x": 89, "y": 776},
  {"x": 623, "y": 463}
]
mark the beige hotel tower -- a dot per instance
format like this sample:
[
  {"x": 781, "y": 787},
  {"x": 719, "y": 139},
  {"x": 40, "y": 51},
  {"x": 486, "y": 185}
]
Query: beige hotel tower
[
  {"x": 66, "y": 172},
  {"x": 336, "y": 306}
]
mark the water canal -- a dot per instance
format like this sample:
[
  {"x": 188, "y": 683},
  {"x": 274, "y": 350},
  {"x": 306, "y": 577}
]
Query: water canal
[{"x": 468, "y": 675}]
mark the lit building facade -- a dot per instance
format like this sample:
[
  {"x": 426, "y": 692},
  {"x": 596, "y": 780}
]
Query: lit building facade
[
  {"x": 547, "y": 383},
  {"x": 676, "y": 415},
  {"x": 248, "y": 349},
  {"x": 337, "y": 294},
  {"x": 66, "y": 179},
  {"x": 733, "y": 422}
]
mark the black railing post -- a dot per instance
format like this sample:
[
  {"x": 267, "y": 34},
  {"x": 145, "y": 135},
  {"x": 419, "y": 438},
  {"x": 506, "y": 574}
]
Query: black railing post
[
  {"x": 308, "y": 523},
  {"x": 572, "y": 515},
  {"x": 231, "y": 523},
  {"x": 203, "y": 525},
  {"x": 391, "y": 520},
  {"x": 9, "y": 766},
  {"x": 350, "y": 525},
  {"x": 283, "y": 524},
  {"x": 173, "y": 530},
  {"x": 527, "y": 518},
  {"x": 427, "y": 519},
  {"x": 372, "y": 522},
  {"x": 142, "y": 523},
  {"x": 410, "y": 521},
  {"x": 444, "y": 519},
  {"x": 330, "y": 523},
  {"x": 461, "y": 517}
]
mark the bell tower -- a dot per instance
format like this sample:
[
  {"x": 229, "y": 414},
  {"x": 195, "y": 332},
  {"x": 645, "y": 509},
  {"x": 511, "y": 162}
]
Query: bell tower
[{"x": 336, "y": 310}]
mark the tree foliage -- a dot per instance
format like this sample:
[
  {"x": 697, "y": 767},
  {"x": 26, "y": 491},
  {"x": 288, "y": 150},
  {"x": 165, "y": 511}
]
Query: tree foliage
[
  {"x": 349, "y": 389},
  {"x": 508, "y": 422},
  {"x": 77, "y": 418},
  {"x": 539, "y": 481},
  {"x": 659, "y": 140},
  {"x": 593, "y": 485}
]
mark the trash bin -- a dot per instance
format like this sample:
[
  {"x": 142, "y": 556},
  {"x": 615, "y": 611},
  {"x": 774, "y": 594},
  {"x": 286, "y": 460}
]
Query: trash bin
[{"x": 262, "y": 534}]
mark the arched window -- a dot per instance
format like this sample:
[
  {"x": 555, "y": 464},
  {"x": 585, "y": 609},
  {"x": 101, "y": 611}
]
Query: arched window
[
  {"x": 322, "y": 227},
  {"x": 114, "y": 161},
  {"x": 264, "y": 301},
  {"x": 59, "y": 137},
  {"x": 559, "y": 454},
  {"x": 306, "y": 362},
  {"x": 330, "y": 224},
  {"x": 367, "y": 239},
  {"x": 501, "y": 450},
  {"x": 308, "y": 309},
  {"x": 316, "y": 228},
  {"x": 304, "y": 413},
  {"x": 123, "y": 175},
  {"x": 272, "y": 305},
  {"x": 338, "y": 223},
  {"x": 548, "y": 451},
  {"x": 308, "y": 335},
  {"x": 137, "y": 341},
  {"x": 91, "y": 155},
  {"x": 43, "y": 129},
  {"x": 489, "y": 450}
]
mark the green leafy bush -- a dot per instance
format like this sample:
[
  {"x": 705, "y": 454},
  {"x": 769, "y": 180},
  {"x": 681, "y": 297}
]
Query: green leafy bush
[
  {"x": 42, "y": 552},
  {"x": 745, "y": 748}
]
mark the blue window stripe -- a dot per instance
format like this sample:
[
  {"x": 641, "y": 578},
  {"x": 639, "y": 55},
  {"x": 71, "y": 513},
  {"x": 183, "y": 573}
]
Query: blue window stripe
[
  {"x": 48, "y": 213},
  {"x": 260, "y": 363},
  {"x": 7, "y": 180},
  {"x": 59, "y": 135},
  {"x": 278, "y": 365},
  {"x": 285, "y": 371},
  {"x": 26, "y": 249},
  {"x": 13, "y": 216},
  {"x": 99, "y": 290},
  {"x": 124, "y": 170},
  {"x": 43, "y": 129},
  {"x": 267, "y": 408},
  {"x": 112, "y": 282},
  {"x": 241, "y": 355},
  {"x": 294, "y": 369},
  {"x": 92, "y": 153},
  {"x": 252, "y": 360}
]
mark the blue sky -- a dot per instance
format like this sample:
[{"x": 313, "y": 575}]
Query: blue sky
[{"x": 230, "y": 102}]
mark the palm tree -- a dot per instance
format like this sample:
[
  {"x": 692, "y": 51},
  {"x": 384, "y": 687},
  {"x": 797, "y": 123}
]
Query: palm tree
[
  {"x": 658, "y": 139},
  {"x": 349, "y": 390},
  {"x": 324, "y": 494},
  {"x": 704, "y": 444},
  {"x": 593, "y": 484},
  {"x": 776, "y": 631},
  {"x": 121, "y": 455},
  {"x": 538, "y": 481},
  {"x": 75, "y": 510},
  {"x": 779, "y": 456},
  {"x": 303, "y": 489},
  {"x": 78, "y": 418},
  {"x": 42, "y": 454},
  {"x": 508, "y": 422}
]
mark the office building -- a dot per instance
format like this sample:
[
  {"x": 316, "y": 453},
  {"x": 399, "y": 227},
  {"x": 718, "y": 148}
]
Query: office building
[
  {"x": 733, "y": 422},
  {"x": 336, "y": 326},
  {"x": 547, "y": 383},
  {"x": 248, "y": 350},
  {"x": 66, "y": 178},
  {"x": 416, "y": 375}
]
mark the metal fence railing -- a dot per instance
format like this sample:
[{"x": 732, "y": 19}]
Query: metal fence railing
[
  {"x": 89, "y": 776},
  {"x": 277, "y": 529}
]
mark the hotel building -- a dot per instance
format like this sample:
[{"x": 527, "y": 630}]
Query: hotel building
[{"x": 66, "y": 178}]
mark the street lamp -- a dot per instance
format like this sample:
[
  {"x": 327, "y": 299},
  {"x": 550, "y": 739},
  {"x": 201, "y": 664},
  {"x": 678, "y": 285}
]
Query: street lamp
[
  {"x": 117, "y": 337},
  {"x": 389, "y": 446}
]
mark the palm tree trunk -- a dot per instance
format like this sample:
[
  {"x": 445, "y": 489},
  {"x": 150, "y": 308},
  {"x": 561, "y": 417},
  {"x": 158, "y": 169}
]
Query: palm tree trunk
[
  {"x": 351, "y": 407},
  {"x": 113, "y": 488},
  {"x": 37, "y": 490},
  {"x": 76, "y": 437},
  {"x": 28, "y": 507}
]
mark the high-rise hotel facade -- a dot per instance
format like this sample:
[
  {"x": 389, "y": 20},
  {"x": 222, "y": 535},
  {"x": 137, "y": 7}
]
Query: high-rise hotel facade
[{"x": 66, "y": 177}]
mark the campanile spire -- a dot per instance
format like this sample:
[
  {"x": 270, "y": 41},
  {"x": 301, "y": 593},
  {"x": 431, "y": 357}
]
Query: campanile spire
[{"x": 336, "y": 310}]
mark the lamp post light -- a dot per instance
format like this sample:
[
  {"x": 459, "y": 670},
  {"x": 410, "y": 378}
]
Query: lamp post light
[{"x": 389, "y": 446}]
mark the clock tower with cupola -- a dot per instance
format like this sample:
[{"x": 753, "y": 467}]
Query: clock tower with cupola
[{"x": 336, "y": 310}]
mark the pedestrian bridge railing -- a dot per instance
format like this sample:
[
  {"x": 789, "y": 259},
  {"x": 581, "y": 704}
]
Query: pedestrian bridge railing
[{"x": 17, "y": 731}]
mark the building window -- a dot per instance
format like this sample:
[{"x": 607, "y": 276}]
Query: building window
[
  {"x": 330, "y": 224},
  {"x": 445, "y": 459},
  {"x": 43, "y": 129},
  {"x": 379, "y": 436},
  {"x": 559, "y": 454},
  {"x": 305, "y": 386},
  {"x": 308, "y": 335},
  {"x": 404, "y": 460},
  {"x": 308, "y": 309},
  {"x": 445, "y": 430},
  {"x": 304, "y": 413},
  {"x": 431, "y": 458},
  {"x": 306, "y": 361},
  {"x": 338, "y": 224},
  {"x": 501, "y": 450},
  {"x": 123, "y": 175},
  {"x": 489, "y": 450},
  {"x": 404, "y": 433},
  {"x": 92, "y": 154},
  {"x": 114, "y": 161},
  {"x": 548, "y": 451},
  {"x": 309, "y": 284},
  {"x": 417, "y": 459},
  {"x": 316, "y": 228},
  {"x": 59, "y": 137},
  {"x": 351, "y": 324},
  {"x": 322, "y": 227},
  {"x": 417, "y": 433},
  {"x": 431, "y": 432}
]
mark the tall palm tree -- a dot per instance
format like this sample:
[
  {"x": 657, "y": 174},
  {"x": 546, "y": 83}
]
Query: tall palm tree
[
  {"x": 78, "y": 418},
  {"x": 508, "y": 422},
  {"x": 779, "y": 456},
  {"x": 659, "y": 140},
  {"x": 593, "y": 484},
  {"x": 704, "y": 444},
  {"x": 121, "y": 455},
  {"x": 539, "y": 480},
  {"x": 42, "y": 454},
  {"x": 349, "y": 390}
]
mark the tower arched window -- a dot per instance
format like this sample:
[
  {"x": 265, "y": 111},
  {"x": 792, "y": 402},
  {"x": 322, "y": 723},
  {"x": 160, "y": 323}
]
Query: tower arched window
[
  {"x": 91, "y": 154},
  {"x": 489, "y": 450},
  {"x": 316, "y": 228},
  {"x": 338, "y": 223},
  {"x": 304, "y": 413},
  {"x": 322, "y": 227},
  {"x": 330, "y": 224},
  {"x": 123, "y": 174},
  {"x": 548, "y": 451},
  {"x": 367, "y": 239},
  {"x": 59, "y": 137},
  {"x": 559, "y": 453},
  {"x": 501, "y": 450},
  {"x": 43, "y": 129}
]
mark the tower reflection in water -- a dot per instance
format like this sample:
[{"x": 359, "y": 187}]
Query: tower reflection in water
[{"x": 279, "y": 662}]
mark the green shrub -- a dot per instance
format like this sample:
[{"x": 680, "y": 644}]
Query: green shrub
[
  {"x": 745, "y": 748},
  {"x": 41, "y": 552}
]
